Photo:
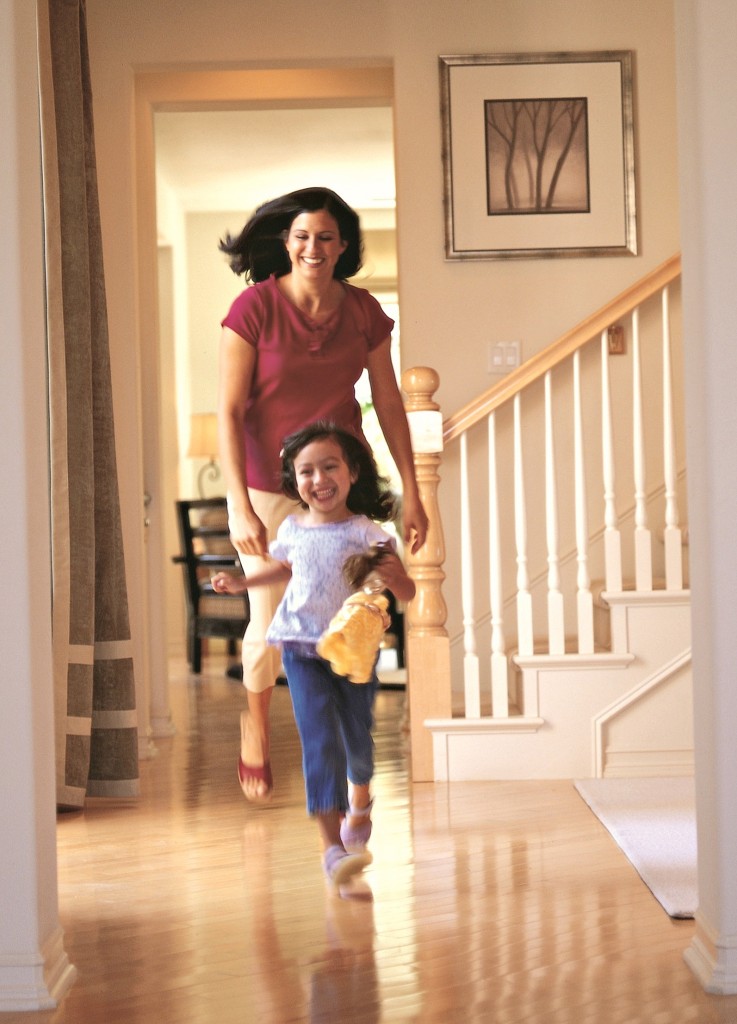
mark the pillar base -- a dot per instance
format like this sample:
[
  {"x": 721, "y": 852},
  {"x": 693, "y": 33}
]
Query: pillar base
[
  {"x": 712, "y": 961},
  {"x": 36, "y": 981}
]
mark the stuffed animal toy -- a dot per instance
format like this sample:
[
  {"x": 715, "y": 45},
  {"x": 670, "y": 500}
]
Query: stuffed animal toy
[{"x": 351, "y": 641}]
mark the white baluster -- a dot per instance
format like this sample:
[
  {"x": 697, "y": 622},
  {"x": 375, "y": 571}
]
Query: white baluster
[
  {"x": 672, "y": 533},
  {"x": 612, "y": 536},
  {"x": 499, "y": 673},
  {"x": 470, "y": 657},
  {"x": 584, "y": 600},
  {"x": 556, "y": 629},
  {"x": 643, "y": 542},
  {"x": 524, "y": 597}
]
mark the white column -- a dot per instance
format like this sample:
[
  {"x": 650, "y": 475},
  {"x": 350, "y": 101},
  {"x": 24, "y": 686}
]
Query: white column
[
  {"x": 525, "y": 629},
  {"x": 34, "y": 970},
  {"x": 556, "y": 627},
  {"x": 612, "y": 537},
  {"x": 707, "y": 95},
  {"x": 584, "y": 597},
  {"x": 499, "y": 663},
  {"x": 672, "y": 538},
  {"x": 643, "y": 538},
  {"x": 471, "y": 687}
]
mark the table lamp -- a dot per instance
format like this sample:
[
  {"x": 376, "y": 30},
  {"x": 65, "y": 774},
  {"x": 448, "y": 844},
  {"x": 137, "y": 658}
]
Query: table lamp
[{"x": 203, "y": 444}]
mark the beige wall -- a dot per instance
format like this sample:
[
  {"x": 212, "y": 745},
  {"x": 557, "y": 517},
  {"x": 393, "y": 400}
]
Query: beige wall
[
  {"x": 446, "y": 306},
  {"x": 530, "y": 301}
]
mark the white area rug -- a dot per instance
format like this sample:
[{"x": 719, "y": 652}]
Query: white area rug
[{"x": 654, "y": 823}]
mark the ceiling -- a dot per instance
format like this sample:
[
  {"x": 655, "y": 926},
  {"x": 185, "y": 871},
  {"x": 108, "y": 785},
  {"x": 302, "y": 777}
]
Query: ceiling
[{"x": 233, "y": 160}]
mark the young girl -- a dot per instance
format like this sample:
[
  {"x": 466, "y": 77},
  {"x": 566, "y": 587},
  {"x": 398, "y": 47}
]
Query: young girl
[{"x": 334, "y": 478}]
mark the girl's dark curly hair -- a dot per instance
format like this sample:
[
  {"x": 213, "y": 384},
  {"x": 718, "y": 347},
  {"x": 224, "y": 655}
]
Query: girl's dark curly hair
[
  {"x": 259, "y": 250},
  {"x": 369, "y": 494}
]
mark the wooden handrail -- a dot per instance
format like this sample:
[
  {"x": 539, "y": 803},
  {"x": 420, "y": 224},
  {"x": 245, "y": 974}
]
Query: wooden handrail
[{"x": 566, "y": 345}]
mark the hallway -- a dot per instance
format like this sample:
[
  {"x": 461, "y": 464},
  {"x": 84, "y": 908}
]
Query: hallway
[{"x": 486, "y": 902}]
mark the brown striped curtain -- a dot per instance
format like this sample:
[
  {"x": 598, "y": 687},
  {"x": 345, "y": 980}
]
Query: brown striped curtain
[{"x": 95, "y": 712}]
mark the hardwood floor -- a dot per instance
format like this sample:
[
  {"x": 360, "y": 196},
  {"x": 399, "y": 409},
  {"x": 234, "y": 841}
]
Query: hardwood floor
[{"x": 486, "y": 902}]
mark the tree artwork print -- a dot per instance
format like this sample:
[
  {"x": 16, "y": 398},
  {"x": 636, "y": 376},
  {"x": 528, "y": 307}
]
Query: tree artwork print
[{"x": 537, "y": 156}]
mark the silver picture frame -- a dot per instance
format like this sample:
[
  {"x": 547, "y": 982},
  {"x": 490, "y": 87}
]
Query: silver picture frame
[{"x": 538, "y": 155}]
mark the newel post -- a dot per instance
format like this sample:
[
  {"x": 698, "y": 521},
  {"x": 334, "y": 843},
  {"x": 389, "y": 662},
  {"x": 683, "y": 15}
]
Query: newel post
[{"x": 428, "y": 646}]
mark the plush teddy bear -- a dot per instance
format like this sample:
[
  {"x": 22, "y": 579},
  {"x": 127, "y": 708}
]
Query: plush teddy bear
[{"x": 351, "y": 641}]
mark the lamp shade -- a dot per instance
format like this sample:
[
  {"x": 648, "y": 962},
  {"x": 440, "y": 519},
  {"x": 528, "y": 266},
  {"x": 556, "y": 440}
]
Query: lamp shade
[{"x": 203, "y": 435}]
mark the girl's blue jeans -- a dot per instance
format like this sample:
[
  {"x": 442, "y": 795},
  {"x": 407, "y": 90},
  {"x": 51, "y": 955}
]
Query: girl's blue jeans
[{"x": 334, "y": 719}]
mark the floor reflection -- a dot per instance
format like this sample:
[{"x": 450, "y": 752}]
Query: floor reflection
[
  {"x": 487, "y": 903},
  {"x": 343, "y": 979}
]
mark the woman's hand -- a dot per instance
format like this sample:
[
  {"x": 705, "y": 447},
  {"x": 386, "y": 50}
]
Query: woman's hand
[
  {"x": 414, "y": 520},
  {"x": 247, "y": 532},
  {"x": 394, "y": 577}
]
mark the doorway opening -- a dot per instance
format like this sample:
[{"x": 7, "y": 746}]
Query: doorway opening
[{"x": 213, "y": 161}]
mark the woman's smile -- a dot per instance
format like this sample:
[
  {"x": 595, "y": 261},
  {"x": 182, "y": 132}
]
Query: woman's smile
[{"x": 314, "y": 242}]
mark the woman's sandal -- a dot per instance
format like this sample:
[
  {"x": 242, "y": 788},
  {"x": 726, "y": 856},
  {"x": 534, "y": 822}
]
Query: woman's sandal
[
  {"x": 248, "y": 774},
  {"x": 340, "y": 865},
  {"x": 259, "y": 773},
  {"x": 355, "y": 837}
]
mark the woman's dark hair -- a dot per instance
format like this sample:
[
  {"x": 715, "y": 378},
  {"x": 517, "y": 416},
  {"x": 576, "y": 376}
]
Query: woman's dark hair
[
  {"x": 259, "y": 250},
  {"x": 369, "y": 494}
]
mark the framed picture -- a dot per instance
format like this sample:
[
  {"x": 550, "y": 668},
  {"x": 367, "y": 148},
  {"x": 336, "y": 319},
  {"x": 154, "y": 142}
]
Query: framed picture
[{"x": 538, "y": 155}]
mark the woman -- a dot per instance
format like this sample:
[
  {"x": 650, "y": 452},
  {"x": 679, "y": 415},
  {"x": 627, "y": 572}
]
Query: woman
[{"x": 293, "y": 346}]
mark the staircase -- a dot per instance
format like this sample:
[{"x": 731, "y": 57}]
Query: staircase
[{"x": 566, "y": 650}]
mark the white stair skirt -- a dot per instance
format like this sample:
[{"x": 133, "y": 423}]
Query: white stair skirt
[{"x": 589, "y": 716}]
